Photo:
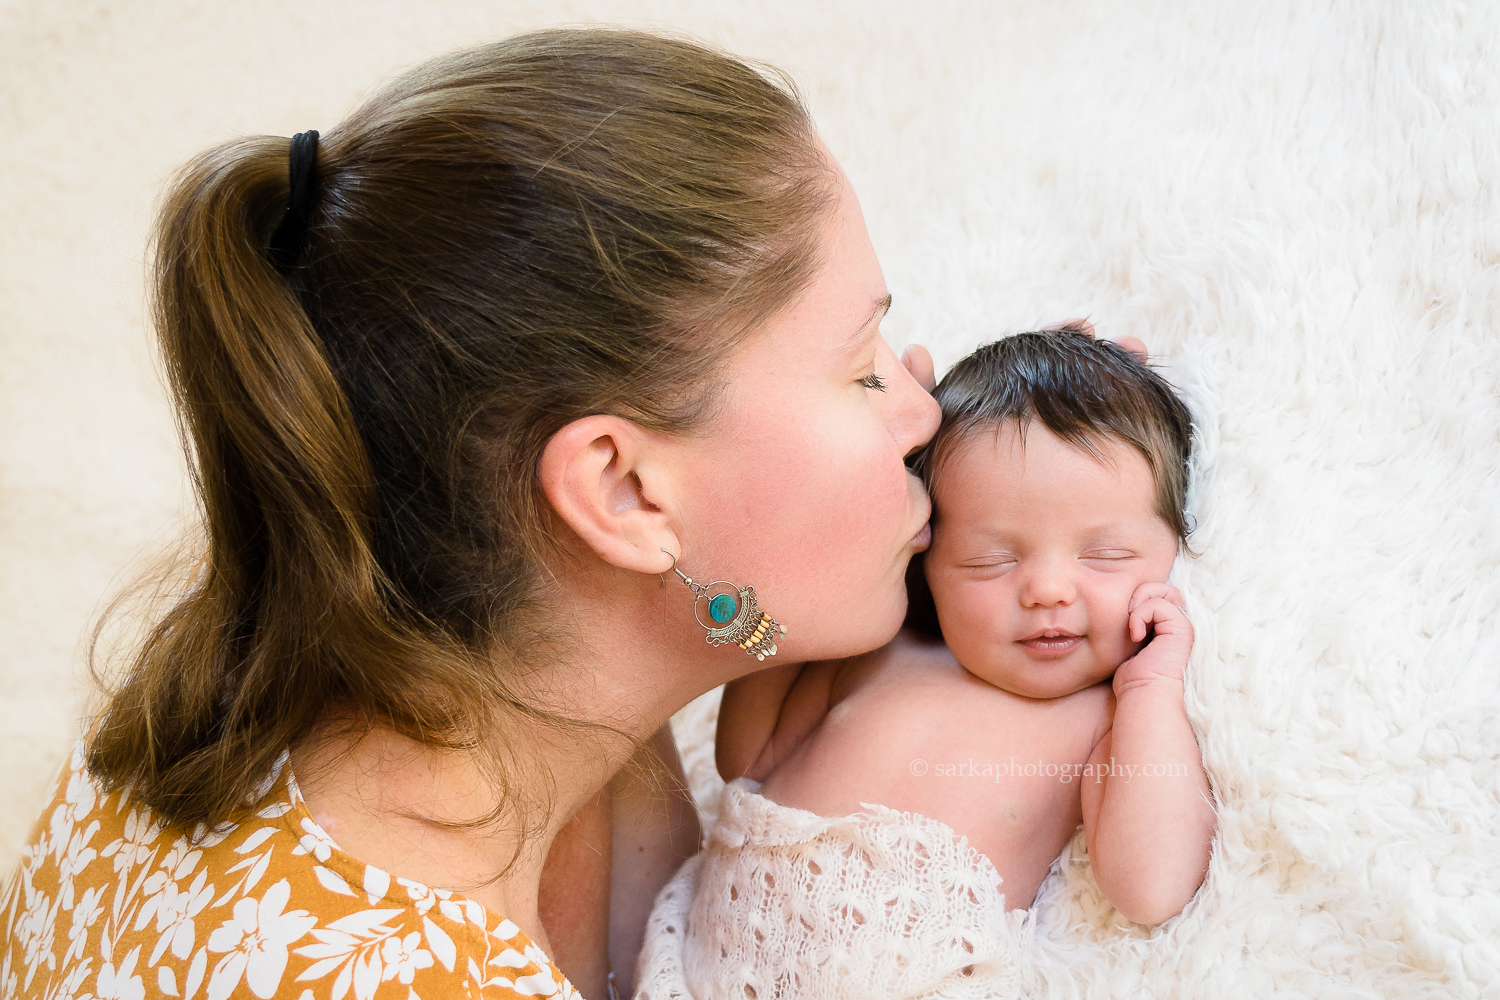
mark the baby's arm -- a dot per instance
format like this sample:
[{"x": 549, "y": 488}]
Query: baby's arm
[
  {"x": 1149, "y": 834},
  {"x": 765, "y": 715}
]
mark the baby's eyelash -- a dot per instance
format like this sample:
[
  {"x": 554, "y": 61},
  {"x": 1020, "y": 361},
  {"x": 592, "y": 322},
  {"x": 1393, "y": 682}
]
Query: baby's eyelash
[{"x": 873, "y": 381}]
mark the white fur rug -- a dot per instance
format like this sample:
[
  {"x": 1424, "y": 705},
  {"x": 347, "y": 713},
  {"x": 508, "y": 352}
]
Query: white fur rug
[{"x": 1292, "y": 201}]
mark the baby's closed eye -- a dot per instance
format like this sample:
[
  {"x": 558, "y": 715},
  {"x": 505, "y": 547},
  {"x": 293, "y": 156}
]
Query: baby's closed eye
[
  {"x": 989, "y": 561},
  {"x": 1109, "y": 556}
]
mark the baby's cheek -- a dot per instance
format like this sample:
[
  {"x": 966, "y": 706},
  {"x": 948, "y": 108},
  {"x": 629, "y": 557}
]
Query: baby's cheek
[
  {"x": 1112, "y": 624},
  {"x": 972, "y": 623}
]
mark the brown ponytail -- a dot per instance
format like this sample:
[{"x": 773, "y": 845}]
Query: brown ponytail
[{"x": 501, "y": 241}]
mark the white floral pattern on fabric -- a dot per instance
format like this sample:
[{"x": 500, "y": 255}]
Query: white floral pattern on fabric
[{"x": 107, "y": 903}]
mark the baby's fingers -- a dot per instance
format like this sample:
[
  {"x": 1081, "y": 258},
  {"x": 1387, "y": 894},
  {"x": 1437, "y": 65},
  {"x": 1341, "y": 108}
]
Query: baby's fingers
[
  {"x": 1147, "y": 591},
  {"x": 1168, "y": 618}
]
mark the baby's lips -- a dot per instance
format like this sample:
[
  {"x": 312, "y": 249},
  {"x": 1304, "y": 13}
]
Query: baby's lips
[
  {"x": 1052, "y": 643},
  {"x": 1051, "y": 632}
]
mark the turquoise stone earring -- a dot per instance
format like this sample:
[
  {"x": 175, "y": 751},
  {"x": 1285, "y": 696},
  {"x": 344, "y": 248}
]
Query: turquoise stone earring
[{"x": 734, "y": 613}]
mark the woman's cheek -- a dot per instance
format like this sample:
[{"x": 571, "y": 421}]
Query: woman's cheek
[
  {"x": 825, "y": 508},
  {"x": 814, "y": 510},
  {"x": 863, "y": 506},
  {"x": 858, "y": 486}
]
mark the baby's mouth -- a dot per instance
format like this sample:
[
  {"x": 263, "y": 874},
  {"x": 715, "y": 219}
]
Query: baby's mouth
[{"x": 1051, "y": 642}]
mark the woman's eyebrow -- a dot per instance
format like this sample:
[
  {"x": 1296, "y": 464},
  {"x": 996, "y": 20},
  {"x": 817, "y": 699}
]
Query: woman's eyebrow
[{"x": 882, "y": 306}]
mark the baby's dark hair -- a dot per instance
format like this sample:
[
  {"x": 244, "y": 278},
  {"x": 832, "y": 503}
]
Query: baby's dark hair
[{"x": 1081, "y": 389}]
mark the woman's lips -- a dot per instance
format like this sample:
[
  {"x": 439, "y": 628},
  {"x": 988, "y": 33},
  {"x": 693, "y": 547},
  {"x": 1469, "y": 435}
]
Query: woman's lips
[
  {"x": 1051, "y": 642},
  {"x": 920, "y": 501}
]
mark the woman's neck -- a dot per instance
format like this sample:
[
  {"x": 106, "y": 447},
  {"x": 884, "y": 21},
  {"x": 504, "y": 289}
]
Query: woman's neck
[
  {"x": 410, "y": 809},
  {"x": 431, "y": 815},
  {"x": 437, "y": 817}
]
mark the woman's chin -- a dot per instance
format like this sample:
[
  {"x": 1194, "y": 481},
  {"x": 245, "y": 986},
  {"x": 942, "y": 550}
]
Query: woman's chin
[
  {"x": 868, "y": 631},
  {"x": 884, "y": 629}
]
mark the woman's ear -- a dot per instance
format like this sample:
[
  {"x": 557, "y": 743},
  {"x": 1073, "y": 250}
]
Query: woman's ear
[{"x": 608, "y": 479}]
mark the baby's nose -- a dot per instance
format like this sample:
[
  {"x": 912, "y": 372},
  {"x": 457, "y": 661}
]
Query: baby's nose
[{"x": 1047, "y": 586}]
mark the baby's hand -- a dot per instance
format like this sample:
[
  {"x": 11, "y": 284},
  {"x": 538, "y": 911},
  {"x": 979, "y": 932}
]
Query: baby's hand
[{"x": 1159, "y": 607}]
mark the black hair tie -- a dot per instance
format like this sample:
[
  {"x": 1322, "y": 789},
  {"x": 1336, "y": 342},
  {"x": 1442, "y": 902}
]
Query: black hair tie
[{"x": 290, "y": 238}]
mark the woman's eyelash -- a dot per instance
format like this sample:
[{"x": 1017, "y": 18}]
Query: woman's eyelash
[{"x": 873, "y": 381}]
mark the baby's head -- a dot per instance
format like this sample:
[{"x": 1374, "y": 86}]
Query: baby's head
[{"x": 1058, "y": 479}]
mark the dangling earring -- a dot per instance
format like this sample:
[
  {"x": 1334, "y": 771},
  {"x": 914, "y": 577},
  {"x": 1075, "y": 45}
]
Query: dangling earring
[{"x": 735, "y": 613}]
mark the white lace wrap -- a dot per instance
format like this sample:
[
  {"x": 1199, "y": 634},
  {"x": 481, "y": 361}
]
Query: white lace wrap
[{"x": 784, "y": 904}]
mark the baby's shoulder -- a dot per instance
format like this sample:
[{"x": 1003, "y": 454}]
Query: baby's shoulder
[
  {"x": 1095, "y": 697},
  {"x": 1091, "y": 709},
  {"x": 910, "y": 662}
]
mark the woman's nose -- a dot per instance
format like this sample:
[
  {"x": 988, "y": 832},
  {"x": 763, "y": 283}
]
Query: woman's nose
[
  {"x": 918, "y": 415},
  {"x": 926, "y": 419}
]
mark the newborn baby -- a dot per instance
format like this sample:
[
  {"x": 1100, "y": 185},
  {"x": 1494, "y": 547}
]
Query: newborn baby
[{"x": 884, "y": 812}]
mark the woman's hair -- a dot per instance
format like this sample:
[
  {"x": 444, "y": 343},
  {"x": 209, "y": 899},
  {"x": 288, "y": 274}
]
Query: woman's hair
[
  {"x": 1085, "y": 391},
  {"x": 501, "y": 241}
]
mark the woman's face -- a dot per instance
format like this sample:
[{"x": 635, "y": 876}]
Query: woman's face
[{"x": 799, "y": 486}]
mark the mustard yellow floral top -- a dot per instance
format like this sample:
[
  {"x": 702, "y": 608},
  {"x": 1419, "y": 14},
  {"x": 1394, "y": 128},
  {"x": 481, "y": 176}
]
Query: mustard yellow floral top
[{"x": 108, "y": 904}]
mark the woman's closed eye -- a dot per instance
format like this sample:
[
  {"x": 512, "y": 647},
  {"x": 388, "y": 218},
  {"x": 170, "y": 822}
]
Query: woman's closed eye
[{"x": 873, "y": 381}]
